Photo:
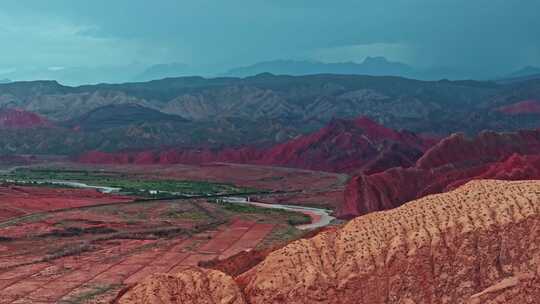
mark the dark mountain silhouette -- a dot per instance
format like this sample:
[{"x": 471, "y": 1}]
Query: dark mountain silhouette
[
  {"x": 165, "y": 70},
  {"x": 376, "y": 66}
]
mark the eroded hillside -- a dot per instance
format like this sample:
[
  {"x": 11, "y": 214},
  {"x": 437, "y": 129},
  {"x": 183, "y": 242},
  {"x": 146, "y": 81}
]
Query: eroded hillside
[{"x": 477, "y": 244}]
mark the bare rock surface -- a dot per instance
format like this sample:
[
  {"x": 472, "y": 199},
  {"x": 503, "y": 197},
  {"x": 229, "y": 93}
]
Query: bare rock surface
[
  {"x": 477, "y": 244},
  {"x": 452, "y": 162},
  {"x": 193, "y": 285}
]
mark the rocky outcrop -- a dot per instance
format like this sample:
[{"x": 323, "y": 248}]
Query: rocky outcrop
[
  {"x": 477, "y": 244},
  {"x": 193, "y": 285},
  {"x": 452, "y": 162}
]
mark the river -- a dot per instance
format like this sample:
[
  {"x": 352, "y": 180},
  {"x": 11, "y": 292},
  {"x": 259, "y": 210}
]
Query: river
[{"x": 319, "y": 217}]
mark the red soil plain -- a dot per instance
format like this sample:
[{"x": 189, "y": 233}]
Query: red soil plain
[
  {"x": 21, "y": 200},
  {"x": 82, "y": 246}
]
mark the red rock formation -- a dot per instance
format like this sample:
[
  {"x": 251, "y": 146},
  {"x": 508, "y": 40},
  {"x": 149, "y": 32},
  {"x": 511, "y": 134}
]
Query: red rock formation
[
  {"x": 452, "y": 162},
  {"x": 516, "y": 167},
  {"x": 359, "y": 145},
  {"x": 466, "y": 246},
  {"x": 485, "y": 147},
  {"x": 478, "y": 244},
  {"x": 20, "y": 119},
  {"x": 194, "y": 286},
  {"x": 522, "y": 107},
  {"x": 245, "y": 260}
]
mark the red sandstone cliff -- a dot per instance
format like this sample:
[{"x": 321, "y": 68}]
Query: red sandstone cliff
[
  {"x": 193, "y": 285},
  {"x": 452, "y": 162}
]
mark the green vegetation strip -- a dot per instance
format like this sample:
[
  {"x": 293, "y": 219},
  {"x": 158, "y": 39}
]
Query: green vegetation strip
[
  {"x": 128, "y": 183},
  {"x": 293, "y": 218}
]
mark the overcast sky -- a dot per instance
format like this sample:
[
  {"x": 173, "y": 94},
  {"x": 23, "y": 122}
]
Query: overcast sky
[{"x": 482, "y": 35}]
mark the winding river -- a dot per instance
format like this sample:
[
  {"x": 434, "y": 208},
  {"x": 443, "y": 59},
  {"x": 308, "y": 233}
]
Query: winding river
[{"x": 319, "y": 217}]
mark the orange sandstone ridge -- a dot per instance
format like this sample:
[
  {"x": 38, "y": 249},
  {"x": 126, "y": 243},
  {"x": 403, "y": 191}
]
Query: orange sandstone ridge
[
  {"x": 193, "y": 285},
  {"x": 477, "y": 244}
]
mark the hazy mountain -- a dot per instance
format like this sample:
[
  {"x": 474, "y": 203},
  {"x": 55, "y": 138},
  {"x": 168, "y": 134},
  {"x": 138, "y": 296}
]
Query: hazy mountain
[
  {"x": 75, "y": 76},
  {"x": 525, "y": 71},
  {"x": 376, "y": 66},
  {"x": 521, "y": 75},
  {"x": 165, "y": 70},
  {"x": 5, "y": 80}
]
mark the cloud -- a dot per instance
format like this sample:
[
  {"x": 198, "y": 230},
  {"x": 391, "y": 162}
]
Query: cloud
[
  {"x": 481, "y": 35},
  {"x": 38, "y": 41}
]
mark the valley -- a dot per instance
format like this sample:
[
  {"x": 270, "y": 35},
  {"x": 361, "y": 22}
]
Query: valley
[
  {"x": 270, "y": 152},
  {"x": 103, "y": 228}
]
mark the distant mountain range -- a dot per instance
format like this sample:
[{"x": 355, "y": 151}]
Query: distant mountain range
[
  {"x": 524, "y": 74},
  {"x": 166, "y": 70},
  {"x": 373, "y": 66},
  {"x": 376, "y": 66},
  {"x": 74, "y": 76},
  {"x": 526, "y": 71},
  {"x": 260, "y": 110},
  {"x": 5, "y": 80}
]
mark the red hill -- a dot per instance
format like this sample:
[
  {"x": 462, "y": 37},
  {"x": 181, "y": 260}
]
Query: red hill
[
  {"x": 20, "y": 119},
  {"x": 359, "y": 145},
  {"x": 522, "y": 107},
  {"x": 452, "y": 162},
  {"x": 487, "y": 146}
]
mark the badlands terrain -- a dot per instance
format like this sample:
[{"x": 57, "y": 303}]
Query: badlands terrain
[{"x": 476, "y": 244}]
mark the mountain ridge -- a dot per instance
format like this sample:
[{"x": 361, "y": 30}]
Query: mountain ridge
[
  {"x": 358, "y": 145},
  {"x": 450, "y": 163}
]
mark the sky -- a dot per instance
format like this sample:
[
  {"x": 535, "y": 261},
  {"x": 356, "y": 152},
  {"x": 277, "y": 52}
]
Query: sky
[{"x": 485, "y": 36}]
